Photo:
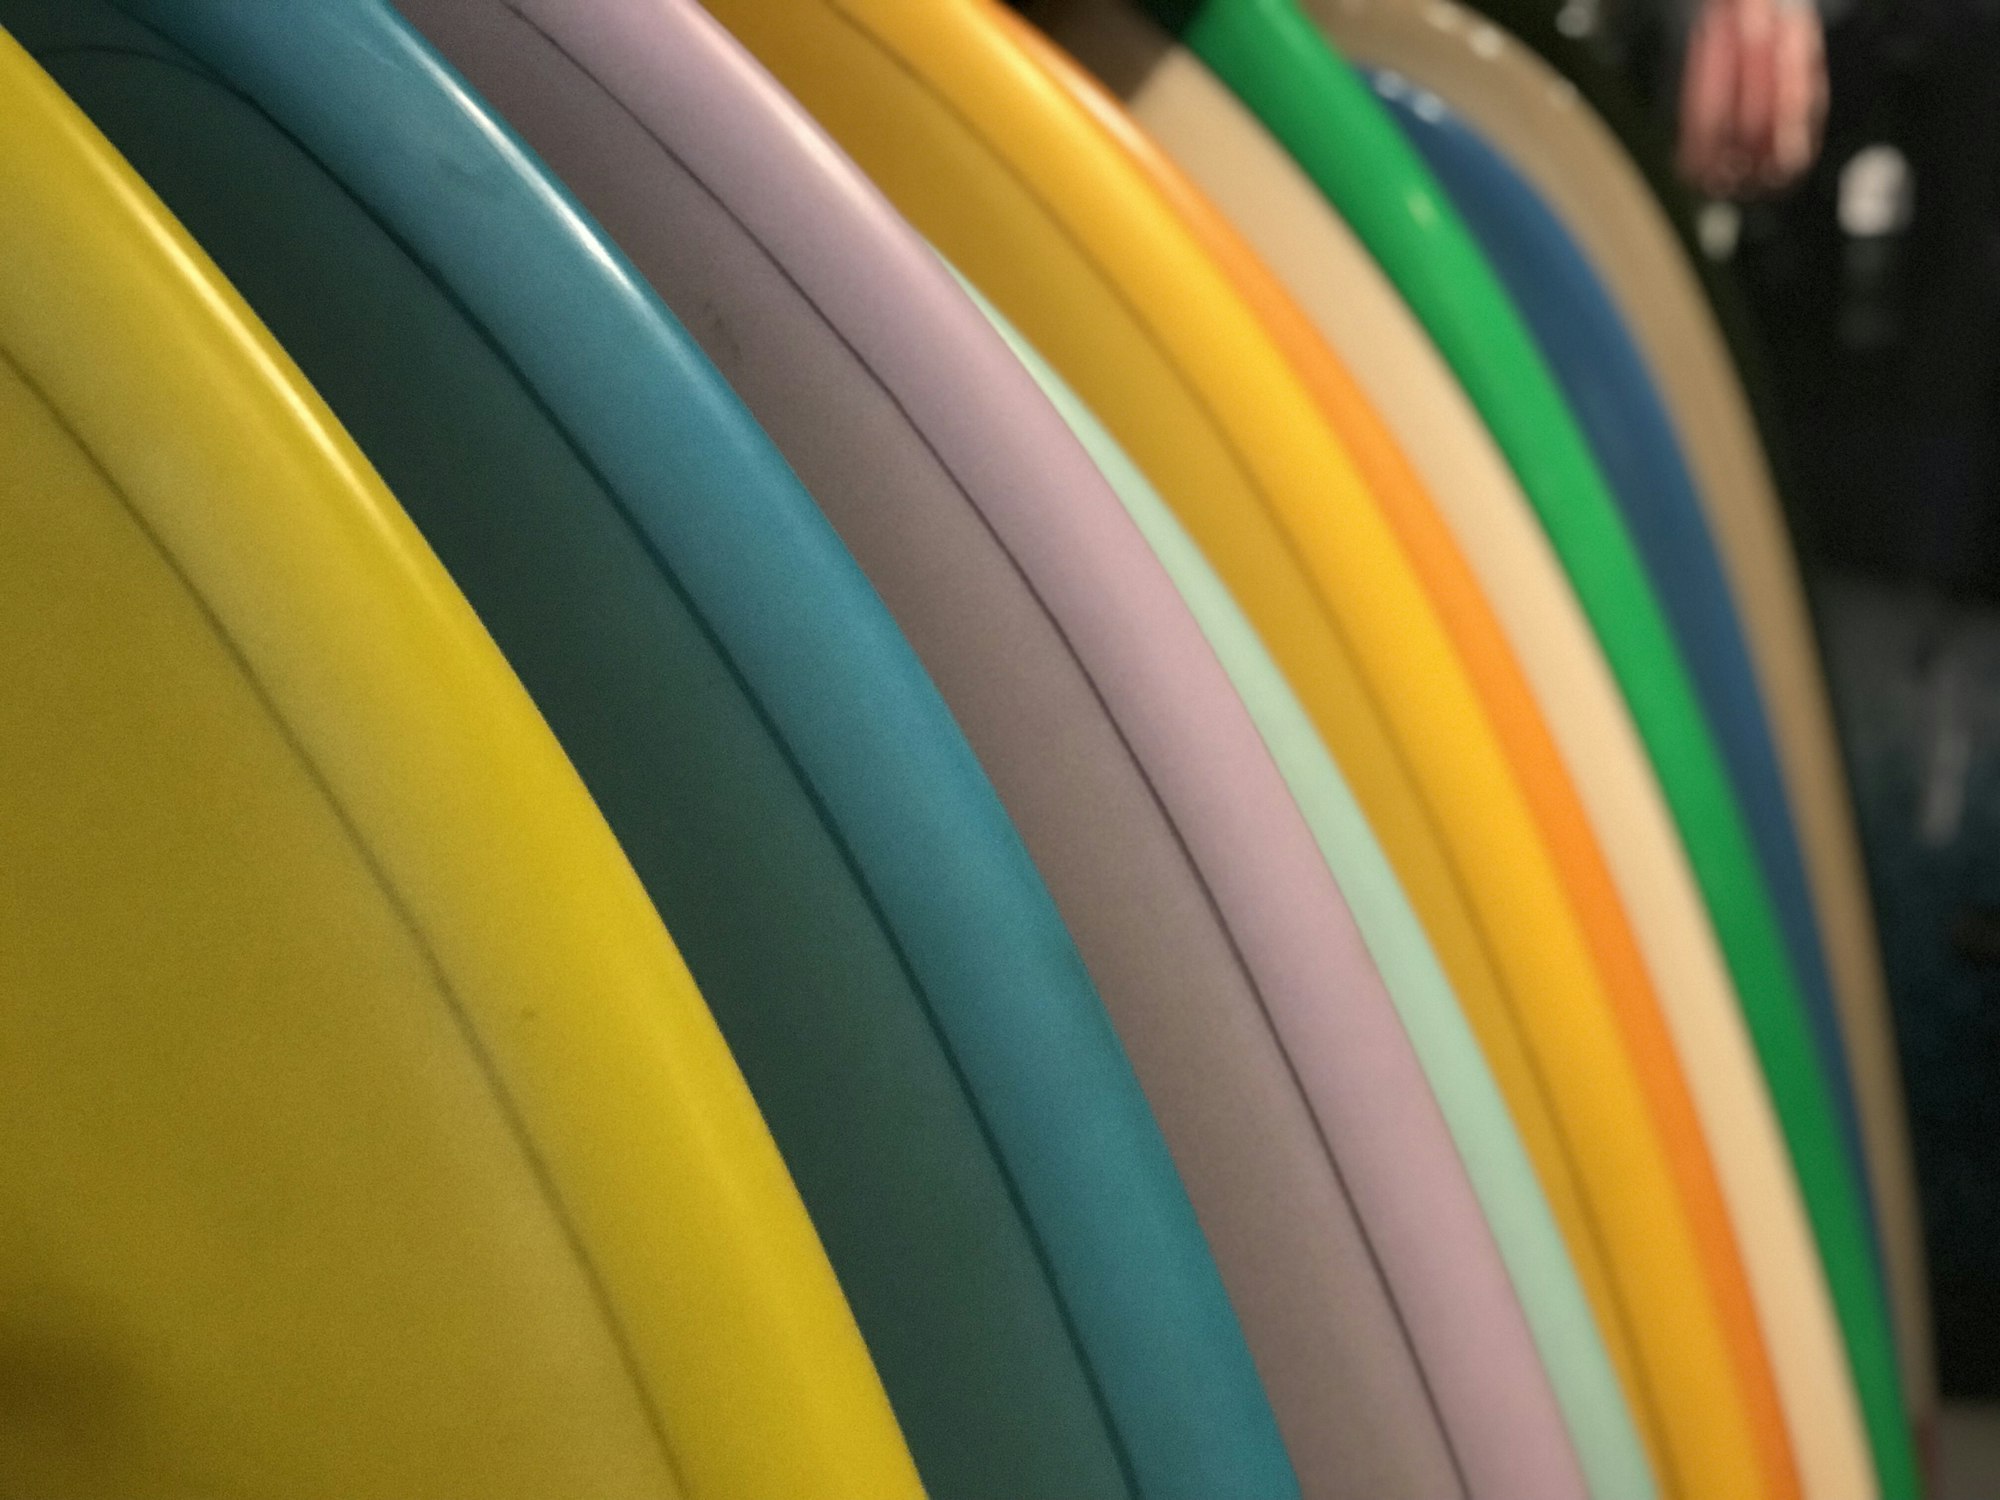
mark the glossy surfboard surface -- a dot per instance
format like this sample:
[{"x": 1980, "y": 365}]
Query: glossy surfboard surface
[
  {"x": 1409, "y": 1479},
  {"x": 1295, "y": 229},
  {"x": 1213, "y": 136},
  {"x": 1273, "y": 54},
  {"x": 1195, "y": 889},
  {"x": 878, "y": 949},
  {"x": 363, "y": 1131},
  {"x": 1183, "y": 391},
  {"x": 1503, "y": 692},
  {"x": 1285, "y": 68},
  {"x": 1566, "y": 1334},
  {"x": 1608, "y": 386},
  {"x": 1560, "y": 142}
]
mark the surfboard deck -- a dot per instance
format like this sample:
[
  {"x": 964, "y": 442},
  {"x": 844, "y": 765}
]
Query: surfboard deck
[
  {"x": 1565, "y": 1330},
  {"x": 1212, "y": 134},
  {"x": 363, "y": 1129},
  {"x": 1604, "y": 181},
  {"x": 1608, "y": 386}
]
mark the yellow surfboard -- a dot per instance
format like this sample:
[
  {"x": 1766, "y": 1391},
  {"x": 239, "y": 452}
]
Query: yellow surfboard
[
  {"x": 1530, "y": 112},
  {"x": 1015, "y": 182},
  {"x": 361, "y": 1132},
  {"x": 1215, "y": 138}
]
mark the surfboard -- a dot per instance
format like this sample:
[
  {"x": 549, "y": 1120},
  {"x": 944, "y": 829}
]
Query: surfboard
[
  {"x": 1559, "y": 140},
  {"x": 362, "y": 1130},
  {"x": 883, "y": 959},
  {"x": 1515, "y": 712},
  {"x": 1195, "y": 889},
  {"x": 1212, "y": 134},
  {"x": 1565, "y": 1331},
  {"x": 880, "y": 76},
  {"x": 1276, "y": 205},
  {"x": 1607, "y": 385},
  {"x": 1315, "y": 105}
]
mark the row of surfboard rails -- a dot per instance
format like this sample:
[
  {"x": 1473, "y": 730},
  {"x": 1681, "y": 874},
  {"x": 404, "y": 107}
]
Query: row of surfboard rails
[{"x": 1247, "y": 789}]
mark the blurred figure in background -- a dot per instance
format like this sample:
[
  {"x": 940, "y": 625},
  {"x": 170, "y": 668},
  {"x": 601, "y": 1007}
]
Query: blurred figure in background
[
  {"x": 1852, "y": 151},
  {"x": 1740, "y": 84},
  {"x": 1753, "y": 96}
]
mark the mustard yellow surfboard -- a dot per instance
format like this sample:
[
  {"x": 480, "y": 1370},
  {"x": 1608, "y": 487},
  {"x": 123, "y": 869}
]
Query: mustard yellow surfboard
[
  {"x": 1018, "y": 186},
  {"x": 361, "y": 1131}
]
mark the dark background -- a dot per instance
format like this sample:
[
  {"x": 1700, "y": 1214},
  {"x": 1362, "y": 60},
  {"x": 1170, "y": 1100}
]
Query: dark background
[{"x": 1879, "y": 360}]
